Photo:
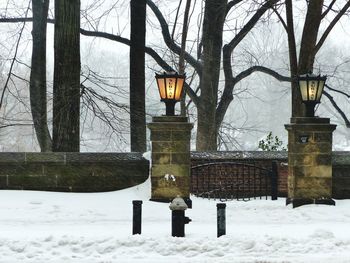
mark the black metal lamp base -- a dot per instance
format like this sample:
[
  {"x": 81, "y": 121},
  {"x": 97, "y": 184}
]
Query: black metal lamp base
[
  {"x": 308, "y": 201},
  {"x": 169, "y": 107},
  {"x": 310, "y": 109}
]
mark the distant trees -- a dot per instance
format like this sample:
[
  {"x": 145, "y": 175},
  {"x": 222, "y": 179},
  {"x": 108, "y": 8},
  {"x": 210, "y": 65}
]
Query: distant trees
[{"x": 66, "y": 86}]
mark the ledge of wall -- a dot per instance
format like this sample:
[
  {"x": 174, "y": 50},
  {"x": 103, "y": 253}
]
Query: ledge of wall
[{"x": 75, "y": 172}]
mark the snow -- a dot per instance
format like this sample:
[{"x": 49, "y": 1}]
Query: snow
[{"x": 96, "y": 227}]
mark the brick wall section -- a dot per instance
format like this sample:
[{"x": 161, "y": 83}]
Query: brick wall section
[
  {"x": 340, "y": 171},
  {"x": 341, "y": 175},
  {"x": 75, "y": 172}
]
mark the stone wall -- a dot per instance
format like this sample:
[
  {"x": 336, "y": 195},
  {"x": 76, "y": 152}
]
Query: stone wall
[
  {"x": 75, "y": 172},
  {"x": 90, "y": 172}
]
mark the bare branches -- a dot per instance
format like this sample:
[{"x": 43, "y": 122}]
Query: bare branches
[
  {"x": 98, "y": 94},
  {"x": 168, "y": 40},
  {"x": 329, "y": 8},
  {"x": 331, "y": 25},
  {"x": 12, "y": 63},
  {"x": 339, "y": 110},
  {"x": 151, "y": 52},
  {"x": 249, "y": 25},
  {"x": 228, "y": 48},
  {"x": 284, "y": 24},
  {"x": 338, "y": 91}
]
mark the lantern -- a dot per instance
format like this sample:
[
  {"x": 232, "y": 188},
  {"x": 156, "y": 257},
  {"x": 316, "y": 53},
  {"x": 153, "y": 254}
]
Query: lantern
[
  {"x": 311, "y": 88},
  {"x": 170, "y": 85}
]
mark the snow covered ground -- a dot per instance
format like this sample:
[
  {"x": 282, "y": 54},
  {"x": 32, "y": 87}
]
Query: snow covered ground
[{"x": 70, "y": 227}]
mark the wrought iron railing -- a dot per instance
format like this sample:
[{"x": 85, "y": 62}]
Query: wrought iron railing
[{"x": 231, "y": 180}]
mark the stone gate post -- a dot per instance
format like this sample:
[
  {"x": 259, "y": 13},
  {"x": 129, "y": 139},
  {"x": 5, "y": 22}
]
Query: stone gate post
[
  {"x": 170, "y": 171},
  {"x": 310, "y": 161}
]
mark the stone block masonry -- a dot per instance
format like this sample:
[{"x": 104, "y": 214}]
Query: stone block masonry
[
  {"x": 310, "y": 159},
  {"x": 73, "y": 172},
  {"x": 170, "y": 171}
]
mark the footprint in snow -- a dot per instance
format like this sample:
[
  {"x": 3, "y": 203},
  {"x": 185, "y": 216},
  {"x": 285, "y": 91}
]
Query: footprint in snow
[{"x": 35, "y": 202}]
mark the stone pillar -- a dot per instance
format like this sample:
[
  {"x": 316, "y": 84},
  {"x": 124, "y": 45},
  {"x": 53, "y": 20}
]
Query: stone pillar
[
  {"x": 170, "y": 172},
  {"x": 310, "y": 161}
]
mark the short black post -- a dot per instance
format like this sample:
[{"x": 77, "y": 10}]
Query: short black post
[
  {"x": 221, "y": 219},
  {"x": 136, "y": 217},
  {"x": 274, "y": 181}
]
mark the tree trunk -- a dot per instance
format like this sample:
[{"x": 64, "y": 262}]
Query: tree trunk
[
  {"x": 214, "y": 16},
  {"x": 137, "y": 76},
  {"x": 307, "y": 51},
  {"x": 297, "y": 107},
  {"x": 37, "y": 86},
  {"x": 66, "y": 88}
]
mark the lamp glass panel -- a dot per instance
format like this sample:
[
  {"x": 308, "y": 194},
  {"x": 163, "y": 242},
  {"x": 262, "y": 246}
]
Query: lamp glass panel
[
  {"x": 179, "y": 86},
  {"x": 303, "y": 89},
  {"x": 312, "y": 89},
  {"x": 320, "y": 90},
  {"x": 170, "y": 87},
  {"x": 161, "y": 87}
]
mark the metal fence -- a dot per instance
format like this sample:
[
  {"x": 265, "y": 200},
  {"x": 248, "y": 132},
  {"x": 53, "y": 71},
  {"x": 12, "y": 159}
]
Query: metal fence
[{"x": 231, "y": 180}]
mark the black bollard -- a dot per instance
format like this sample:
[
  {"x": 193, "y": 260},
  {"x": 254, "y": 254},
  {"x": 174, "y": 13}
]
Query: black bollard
[
  {"x": 136, "y": 217},
  {"x": 221, "y": 219},
  {"x": 274, "y": 181}
]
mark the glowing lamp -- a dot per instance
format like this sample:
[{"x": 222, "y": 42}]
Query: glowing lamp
[
  {"x": 170, "y": 86},
  {"x": 311, "y": 88}
]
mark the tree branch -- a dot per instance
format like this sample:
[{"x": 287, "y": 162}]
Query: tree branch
[
  {"x": 169, "y": 42},
  {"x": 335, "y": 105},
  {"x": 231, "y": 4},
  {"x": 331, "y": 25},
  {"x": 14, "y": 124},
  {"x": 262, "y": 69},
  {"x": 329, "y": 8},
  {"x": 284, "y": 24},
  {"x": 338, "y": 91}
]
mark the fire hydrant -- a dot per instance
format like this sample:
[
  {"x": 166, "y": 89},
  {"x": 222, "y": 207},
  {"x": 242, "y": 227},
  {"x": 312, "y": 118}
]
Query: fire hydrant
[{"x": 178, "y": 218}]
